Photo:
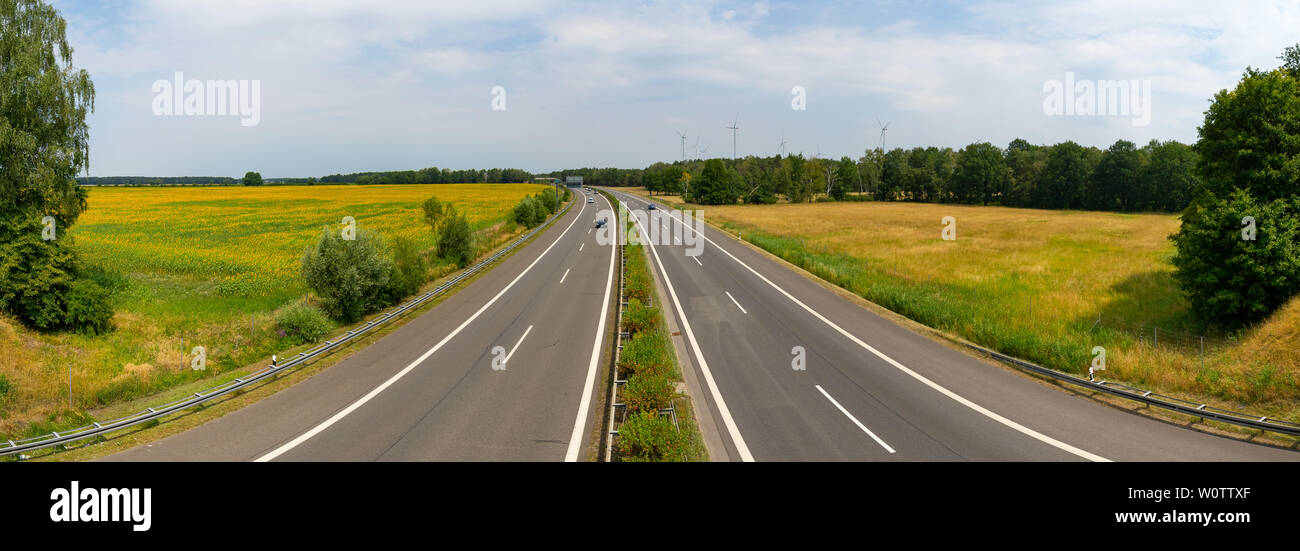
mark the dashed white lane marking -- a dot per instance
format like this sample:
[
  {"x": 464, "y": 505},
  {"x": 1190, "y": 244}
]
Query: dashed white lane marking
[
  {"x": 734, "y": 301},
  {"x": 855, "y": 420}
]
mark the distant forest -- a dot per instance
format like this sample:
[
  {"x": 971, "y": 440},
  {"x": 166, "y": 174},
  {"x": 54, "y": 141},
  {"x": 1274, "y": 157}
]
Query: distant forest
[
  {"x": 1160, "y": 176},
  {"x": 1124, "y": 177},
  {"x": 433, "y": 175}
]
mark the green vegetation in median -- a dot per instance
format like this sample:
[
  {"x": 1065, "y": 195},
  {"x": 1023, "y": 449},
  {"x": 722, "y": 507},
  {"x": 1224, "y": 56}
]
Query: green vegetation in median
[{"x": 650, "y": 367}]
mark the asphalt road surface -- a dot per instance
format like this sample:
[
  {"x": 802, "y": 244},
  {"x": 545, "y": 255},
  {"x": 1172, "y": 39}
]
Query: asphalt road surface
[
  {"x": 871, "y": 390},
  {"x": 431, "y": 390}
]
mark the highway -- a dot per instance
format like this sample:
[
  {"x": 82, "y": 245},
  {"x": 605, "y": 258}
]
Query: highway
[
  {"x": 872, "y": 390},
  {"x": 431, "y": 390}
]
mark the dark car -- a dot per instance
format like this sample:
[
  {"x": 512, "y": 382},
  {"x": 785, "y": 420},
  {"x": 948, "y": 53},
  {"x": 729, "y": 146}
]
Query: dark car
[
  {"x": 651, "y": 207},
  {"x": 600, "y": 223}
]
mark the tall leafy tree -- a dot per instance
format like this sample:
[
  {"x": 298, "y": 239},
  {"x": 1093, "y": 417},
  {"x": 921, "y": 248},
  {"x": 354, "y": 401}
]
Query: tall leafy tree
[
  {"x": 1025, "y": 163},
  {"x": 846, "y": 178},
  {"x": 44, "y": 144},
  {"x": 1062, "y": 181},
  {"x": 1249, "y": 150},
  {"x": 1115, "y": 183},
  {"x": 869, "y": 170},
  {"x": 1169, "y": 179},
  {"x": 715, "y": 185},
  {"x": 1251, "y": 137},
  {"x": 893, "y": 175},
  {"x": 44, "y": 139},
  {"x": 981, "y": 174}
]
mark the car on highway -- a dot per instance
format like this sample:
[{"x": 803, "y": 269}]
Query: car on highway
[
  {"x": 651, "y": 206},
  {"x": 600, "y": 222}
]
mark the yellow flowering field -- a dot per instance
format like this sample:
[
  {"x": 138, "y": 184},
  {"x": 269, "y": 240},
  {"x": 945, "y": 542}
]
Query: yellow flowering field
[{"x": 205, "y": 266}]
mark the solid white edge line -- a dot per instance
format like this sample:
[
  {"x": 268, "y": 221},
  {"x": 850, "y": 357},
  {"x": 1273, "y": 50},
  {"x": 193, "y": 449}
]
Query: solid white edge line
[
  {"x": 936, "y": 386},
  {"x": 566, "y": 274},
  {"x": 516, "y": 347},
  {"x": 575, "y": 438},
  {"x": 723, "y": 411},
  {"x": 375, "y": 392},
  {"x": 737, "y": 303},
  {"x": 855, "y": 420}
]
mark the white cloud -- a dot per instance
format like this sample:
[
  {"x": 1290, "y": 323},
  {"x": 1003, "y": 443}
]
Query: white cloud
[{"x": 414, "y": 77}]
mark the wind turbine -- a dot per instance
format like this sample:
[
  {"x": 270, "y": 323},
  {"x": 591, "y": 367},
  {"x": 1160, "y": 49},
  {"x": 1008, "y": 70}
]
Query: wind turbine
[
  {"x": 883, "y": 128},
  {"x": 683, "y": 135},
  {"x": 735, "y": 126},
  {"x": 781, "y": 147},
  {"x": 705, "y": 150},
  {"x": 695, "y": 149}
]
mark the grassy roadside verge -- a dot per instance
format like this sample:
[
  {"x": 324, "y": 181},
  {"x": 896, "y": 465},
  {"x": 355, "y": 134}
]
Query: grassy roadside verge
[
  {"x": 108, "y": 444},
  {"x": 657, "y": 421}
]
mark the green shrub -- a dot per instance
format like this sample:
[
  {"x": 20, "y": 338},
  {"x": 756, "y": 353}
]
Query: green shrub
[
  {"x": 549, "y": 201},
  {"x": 409, "y": 271},
  {"x": 650, "y": 391},
  {"x": 303, "y": 323},
  {"x": 88, "y": 307},
  {"x": 638, "y": 317},
  {"x": 350, "y": 276},
  {"x": 434, "y": 211},
  {"x": 1230, "y": 279},
  {"x": 648, "y": 437},
  {"x": 637, "y": 283},
  {"x": 455, "y": 243},
  {"x": 44, "y": 311},
  {"x": 41, "y": 282},
  {"x": 5, "y": 388},
  {"x": 525, "y": 212},
  {"x": 81, "y": 305},
  {"x": 645, "y": 352}
]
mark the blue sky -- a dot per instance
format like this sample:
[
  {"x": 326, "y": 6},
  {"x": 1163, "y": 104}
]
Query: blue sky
[{"x": 400, "y": 84}]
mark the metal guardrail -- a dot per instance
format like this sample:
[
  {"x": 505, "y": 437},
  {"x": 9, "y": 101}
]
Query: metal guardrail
[
  {"x": 618, "y": 329},
  {"x": 622, "y": 337},
  {"x": 149, "y": 414},
  {"x": 1151, "y": 398}
]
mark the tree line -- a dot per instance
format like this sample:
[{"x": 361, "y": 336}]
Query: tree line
[
  {"x": 432, "y": 175},
  {"x": 1160, "y": 176},
  {"x": 157, "y": 181}
]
